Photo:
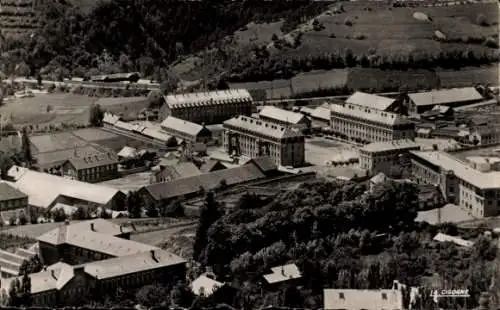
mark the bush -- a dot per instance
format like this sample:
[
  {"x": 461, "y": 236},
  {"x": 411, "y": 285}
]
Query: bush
[
  {"x": 491, "y": 42},
  {"x": 481, "y": 20},
  {"x": 359, "y": 36},
  {"x": 348, "y": 22},
  {"x": 332, "y": 35}
]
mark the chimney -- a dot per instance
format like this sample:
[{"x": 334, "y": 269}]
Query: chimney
[
  {"x": 121, "y": 228},
  {"x": 53, "y": 274},
  {"x": 153, "y": 256},
  {"x": 283, "y": 271},
  {"x": 92, "y": 226}
]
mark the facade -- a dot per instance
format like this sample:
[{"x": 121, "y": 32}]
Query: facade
[
  {"x": 485, "y": 135},
  {"x": 369, "y": 125},
  {"x": 386, "y": 157},
  {"x": 11, "y": 198},
  {"x": 208, "y": 107},
  {"x": 354, "y": 299},
  {"x": 284, "y": 117},
  {"x": 372, "y": 101},
  {"x": 455, "y": 97},
  {"x": 253, "y": 138},
  {"x": 92, "y": 169},
  {"x": 185, "y": 130},
  {"x": 475, "y": 188}
]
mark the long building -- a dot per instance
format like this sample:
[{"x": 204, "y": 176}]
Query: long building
[
  {"x": 369, "y": 125},
  {"x": 185, "y": 130},
  {"x": 473, "y": 185},
  {"x": 90, "y": 259},
  {"x": 455, "y": 97},
  {"x": 254, "y": 137},
  {"x": 284, "y": 117},
  {"x": 208, "y": 107},
  {"x": 386, "y": 157}
]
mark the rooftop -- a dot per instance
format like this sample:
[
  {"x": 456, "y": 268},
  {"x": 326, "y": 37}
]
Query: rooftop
[
  {"x": 92, "y": 161},
  {"x": 149, "y": 260},
  {"x": 322, "y": 112},
  {"x": 440, "y": 237},
  {"x": 262, "y": 127},
  {"x": 52, "y": 279},
  {"x": 181, "y": 125},
  {"x": 369, "y": 114},
  {"x": 43, "y": 188},
  {"x": 110, "y": 118},
  {"x": 208, "y": 98},
  {"x": 390, "y": 146},
  {"x": 336, "y": 299},
  {"x": 445, "y": 96},
  {"x": 482, "y": 180},
  {"x": 127, "y": 152},
  {"x": 205, "y": 286},
  {"x": 370, "y": 101},
  {"x": 283, "y": 273},
  {"x": 8, "y": 192},
  {"x": 180, "y": 170},
  {"x": 281, "y": 115}
]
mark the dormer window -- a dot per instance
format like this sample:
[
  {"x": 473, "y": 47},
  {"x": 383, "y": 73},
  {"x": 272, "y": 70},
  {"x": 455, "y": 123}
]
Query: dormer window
[
  {"x": 341, "y": 295},
  {"x": 384, "y": 296}
]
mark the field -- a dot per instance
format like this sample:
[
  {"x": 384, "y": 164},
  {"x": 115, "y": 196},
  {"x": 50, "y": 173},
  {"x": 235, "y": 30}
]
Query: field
[
  {"x": 319, "y": 150},
  {"x": 129, "y": 182},
  {"x": 469, "y": 76},
  {"x": 258, "y": 33}
]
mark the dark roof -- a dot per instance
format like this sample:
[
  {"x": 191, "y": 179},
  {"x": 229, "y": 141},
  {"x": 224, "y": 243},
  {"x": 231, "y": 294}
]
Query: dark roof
[
  {"x": 264, "y": 163},
  {"x": 180, "y": 170},
  {"x": 8, "y": 192},
  {"x": 211, "y": 165},
  {"x": 208, "y": 181},
  {"x": 92, "y": 161}
]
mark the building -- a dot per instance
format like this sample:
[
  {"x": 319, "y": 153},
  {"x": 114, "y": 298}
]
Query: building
[
  {"x": 387, "y": 157},
  {"x": 379, "y": 178},
  {"x": 455, "y": 97},
  {"x": 440, "y": 237},
  {"x": 185, "y": 130},
  {"x": 283, "y": 275},
  {"x": 369, "y": 125},
  {"x": 253, "y": 138},
  {"x": 284, "y": 117},
  {"x": 208, "y": 107},
  {"x": 45, "y": 190},
  {"x": 92, "y": 169},
  {"x": 191, "y": 187},
  {"x": 205, "y": 286},
  {"x": 321, "y": 116},
  {"x": 127, "y": 152},
  {"x": 439, "y": 112},
  {"x": 372, "y": 101},
  {"x": 475, "y": 188},
  {"x": 485, "y": 135},
  {"x": 182, "y": 169},
  {"x": 12, "y": 198},
  {"x": 353, "y": 299},
  {"x": 211, "y": 165}
]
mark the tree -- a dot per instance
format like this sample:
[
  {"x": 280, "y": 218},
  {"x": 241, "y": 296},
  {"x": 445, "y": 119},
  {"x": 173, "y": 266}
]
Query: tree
[
  {"x": 181, "y": 295},
  {"x": 152, "y": 295},
  {"x": 96, "y": 115},
  {"x": 80, "y": 214},
  {"x": 22, "y": 219},
  {"x": 209, "y": 214},
  {"x": 134, "y": 204},
  {"x": 481, "y": 20},
  {"x": 32, "y": 265},
  {"x": 26, "y": 147},
  {"x": 58, "y": 215}
]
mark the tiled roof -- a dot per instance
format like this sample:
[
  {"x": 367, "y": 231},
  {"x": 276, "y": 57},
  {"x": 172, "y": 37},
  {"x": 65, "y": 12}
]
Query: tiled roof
[
  {"x": 352, "y": 299},
  {"x": 370, "y": 101},
  {"x": 132, "y": 263},
  {"x": 43, "y": 188},
  {"x": 93, "y": 161},
  {"x": 445, "y": 96},
  {"x": 390, "y": 146},
  {"x": 208, "y": 98},
  {"x": 54, "y": 279},
  {"x": 262, "y": 127},
  {"x": 283, "y": 273},
  {"x": 373, "y": 115},
  {"x": 8, "y": 192},
  {"x": 208, "y": 181},
  {"x": 178, "y": 124},
  {"x": 204, "y": 285},
  {"x": 459, "y": 241},
  {"x": 11, "y": 257},
  {"x": 127, "y": 152},
  {"x": 282, "y": 115},
  {"x": 462, "y": 170}
]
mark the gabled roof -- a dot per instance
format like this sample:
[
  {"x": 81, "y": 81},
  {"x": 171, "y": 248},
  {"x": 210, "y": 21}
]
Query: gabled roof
[
  {"x": 282, "y": 115},
  {"x": 43, "y": 188},
  {"x": 97, "y": 160},
  {"x": 352, "y": 299},
  {"x": 370, "y": 101},
  {"x": 208, "y": 98},
  {"x": 180, "y": 170},
  {"x": 211, "y": 165},
  {"x": 205, "y": 286},
  {"x": 283, "y": 273},
  {"x": 369, "y": 114},
  {"x": 264, "y": 163},
  {"x": 262, "y": 127},
  {"x": 127, "y": 152},
  {"x": 110, "y": 101},
  {"x": 440, "y": 237},
  {"x": 208, "y": 181},
  {"x": 445, "y": 96},
  {"x": 8, "y": 192},
  {"x": 156, "y": 133},
  {"x": 149, "y": 260},
  {"x": 178, "y": 124},
  {"x": 53, "y": 279}
]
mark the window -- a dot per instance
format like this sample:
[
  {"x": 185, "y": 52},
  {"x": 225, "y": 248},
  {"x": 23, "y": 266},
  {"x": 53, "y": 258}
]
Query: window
[
  {"x": 341, "y": 295},
  {"x": 384, "y": 296}
]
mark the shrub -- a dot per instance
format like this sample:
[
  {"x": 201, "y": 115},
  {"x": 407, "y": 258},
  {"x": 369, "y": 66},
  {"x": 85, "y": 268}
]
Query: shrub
[
  {"x": 348, "y": 22},
  {"x": 491, "y": 42},
  {"x": 359, "y": 36},
  {"x": 481, "y": 20},
  {"x": 372, "y": 51},
  {"x": 332, "y": 35}
]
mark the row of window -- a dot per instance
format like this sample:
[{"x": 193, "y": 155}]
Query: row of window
[{"x": 14, "y": 203}]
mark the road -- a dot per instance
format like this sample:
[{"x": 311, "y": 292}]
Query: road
[{"x": 87, "y": 84}]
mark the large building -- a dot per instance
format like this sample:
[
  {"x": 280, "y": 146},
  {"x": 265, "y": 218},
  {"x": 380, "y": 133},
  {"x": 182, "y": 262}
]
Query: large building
[
  {"x": 11, "y": 198},
  {"x": 284, "y": 117},
  {"x": 473, "y": 185},
  {"x": 372, "y": 101},
  {"x": 455, "y": 97},
  {"x": 92, "y": 169},
  {"x": 90, "y": 259},
  {"x": 186, "y": 131},
  {"x": 369, "y": 125},
  {"x": 254, "y": 137},
  {"x": 208, "y": 107},
  {"x": 354, "y": 299},
  {"x": 45, "y": 190},
  {"x": 387, "y": 157}
]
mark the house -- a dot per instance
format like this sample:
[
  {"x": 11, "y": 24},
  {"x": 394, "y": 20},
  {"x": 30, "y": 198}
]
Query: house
[
  {"x": 380, "y": 178},
  {"x": 354, "y": 299},
  {"x": 284, "y": 117},
  {"x": 485, "y": 135},
  {"x": 211, "y": 165},
  {"x": 205, "y": 286},
  {"x": 265, "y": 164},
  {"x": 185, "y": 130},
  {"x": 286, "y": 274},
  {"x": 45, "y": 190},
  {"x": 178, "y": 171},
  {"x": 127, "y": 152},
  {"x": 12, "y": 198},
  {"x": 455, "y": 97},
  {"x": 440, "y": 237},
  {"x": 372, "y": 101},
  {"x": 92, "y": 169}
]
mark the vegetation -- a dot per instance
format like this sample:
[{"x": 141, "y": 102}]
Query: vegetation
[
  {"x": 96, "y": 115},
  {"x": 20, "y": 292}
]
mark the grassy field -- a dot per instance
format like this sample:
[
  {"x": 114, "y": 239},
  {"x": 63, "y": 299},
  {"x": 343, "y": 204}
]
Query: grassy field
[
  {"x": 258, "y": 33},
  {"x": 469, "y": 76}
]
